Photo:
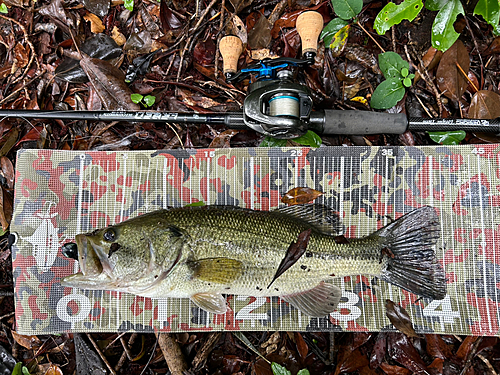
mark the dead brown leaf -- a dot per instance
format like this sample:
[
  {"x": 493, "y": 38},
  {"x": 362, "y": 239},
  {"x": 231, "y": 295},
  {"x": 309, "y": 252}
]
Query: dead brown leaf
[
  {"x": 430, "y": 61},
  {"x": 399, "y": 318},
  {"x": 293, "y": 254},
  {"x": 485, "y": 105},
  {"x": 450, "y": 80},
  {"x": 53, "y": 370},
  {"x": 96, "y": 25},
  {"x": 300, "y": 195},
  {"x": 29, "y": 342},
  {"x": 21, "y": 55},
  {"x": 223, "y": 139},
  {"x": 302, "y": 347},
  {"x": 7, "y": 171},
  {"x": 109, "y": 83}
]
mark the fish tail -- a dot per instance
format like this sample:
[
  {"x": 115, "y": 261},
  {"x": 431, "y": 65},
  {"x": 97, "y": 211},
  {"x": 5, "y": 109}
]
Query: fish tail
[{"x": 409, "y": 257}]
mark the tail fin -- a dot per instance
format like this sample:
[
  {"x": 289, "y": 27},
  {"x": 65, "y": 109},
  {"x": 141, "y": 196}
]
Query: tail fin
[{"x": 411, "y": 261}]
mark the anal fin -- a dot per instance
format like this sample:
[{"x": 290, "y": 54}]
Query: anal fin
[
  {"x": 316, "y": 302},
  {"x": 211, "y": 302}
]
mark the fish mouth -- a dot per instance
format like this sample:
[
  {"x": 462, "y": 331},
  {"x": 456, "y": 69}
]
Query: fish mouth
[{"x": 94, "y": 266}]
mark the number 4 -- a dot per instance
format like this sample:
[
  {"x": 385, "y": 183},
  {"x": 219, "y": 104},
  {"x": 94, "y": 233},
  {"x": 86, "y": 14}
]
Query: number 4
[{"x": 446, "y": 312}]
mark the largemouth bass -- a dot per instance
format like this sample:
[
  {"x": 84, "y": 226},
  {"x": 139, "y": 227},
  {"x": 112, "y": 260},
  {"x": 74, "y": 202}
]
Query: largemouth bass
[{"x": 203, "y": 252}]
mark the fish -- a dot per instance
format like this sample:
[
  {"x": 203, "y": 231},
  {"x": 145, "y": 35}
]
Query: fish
[{"x": 205, "y": 252}]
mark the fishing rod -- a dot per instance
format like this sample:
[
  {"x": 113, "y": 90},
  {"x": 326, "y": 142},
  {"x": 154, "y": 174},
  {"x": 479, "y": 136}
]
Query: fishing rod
[{"x": 277, "y": 105}]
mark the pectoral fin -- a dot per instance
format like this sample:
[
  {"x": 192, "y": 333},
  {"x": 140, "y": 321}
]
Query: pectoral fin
[
  {"x": 217, "y": 270},
  {"x": 211, "y": 302},
  {"x": 318, "y": 301}
]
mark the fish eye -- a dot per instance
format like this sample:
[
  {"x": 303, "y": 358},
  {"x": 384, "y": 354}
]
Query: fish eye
[{"x": 109, "y": 235}]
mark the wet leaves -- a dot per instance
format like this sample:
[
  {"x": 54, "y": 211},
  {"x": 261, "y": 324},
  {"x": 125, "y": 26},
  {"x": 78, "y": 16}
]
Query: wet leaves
[
  {"x": 399, "y": 318},
  {"x": 29, "y": 342},
  {"x": 450, "y": 80},
  {"x": 109, "y": 84},
  {"x": 485, "y": 104}
]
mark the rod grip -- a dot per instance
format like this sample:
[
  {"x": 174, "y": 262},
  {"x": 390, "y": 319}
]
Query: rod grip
[
  {"x": 230, "y": 48},
  {"x": 309, "y": 26},
  {"x": 363, "y": 122}
]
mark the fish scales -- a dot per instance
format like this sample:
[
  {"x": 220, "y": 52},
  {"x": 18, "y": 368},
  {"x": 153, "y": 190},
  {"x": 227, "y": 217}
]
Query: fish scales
[{"x": 202, "y": 252}]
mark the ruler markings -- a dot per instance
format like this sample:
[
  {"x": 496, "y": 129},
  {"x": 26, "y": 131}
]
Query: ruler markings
[
  {"x": 472, "y": 228},
  {"x": 490, "y": 173}
]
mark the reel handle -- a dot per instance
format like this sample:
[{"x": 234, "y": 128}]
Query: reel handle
[
  {"x": 230, "y": 48},
  {"x": 309, "y": 26}
]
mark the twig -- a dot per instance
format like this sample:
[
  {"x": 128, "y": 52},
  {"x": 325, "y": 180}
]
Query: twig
[
  {"x": 123, "y": 357},
  {"x": 96, "y": 347},
  {"x": 393, "y": 34},
  {"x": 217, "y": 52},
  {"x": 425, "y": 75},
  {"x": 192, "y": 32},
  {"x": 471, "y": 355},
  {"x": 202, "y": 354},
  {"x": 371, "y": 37},
  {"x": 488, "y": 364},
  {"x": 115, "y": 340},
  {"x": 32, "y": 48},
  {"x": 22, "y": 87},
  {"x": 100, "y": 132},
  {"x": 126, "y": 349},
  {"x": 172, "y": 353},
  {"x": 423, "y": 106},
  {"x": 466, "y": 76},
  {"x": 177, "y": 134}
]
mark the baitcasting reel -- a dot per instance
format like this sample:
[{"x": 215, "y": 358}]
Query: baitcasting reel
[{"x": 276, "y": 105}]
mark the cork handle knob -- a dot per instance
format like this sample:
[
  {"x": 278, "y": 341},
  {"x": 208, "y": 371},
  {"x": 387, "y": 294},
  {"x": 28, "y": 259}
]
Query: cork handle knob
[
  {"x": 230, "y": 48},
  {"x": 309, "y": 26}
]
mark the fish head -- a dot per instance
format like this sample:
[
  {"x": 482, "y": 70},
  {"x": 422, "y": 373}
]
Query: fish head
[{"x": 130, "y": 256}]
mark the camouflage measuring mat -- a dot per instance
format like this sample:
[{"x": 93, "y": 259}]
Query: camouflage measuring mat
[{"x": 59, "y": 194}]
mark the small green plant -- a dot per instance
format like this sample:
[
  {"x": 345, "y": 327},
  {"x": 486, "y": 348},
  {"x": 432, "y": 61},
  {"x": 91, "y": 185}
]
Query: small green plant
[
  {"x": 129, "y": 4},
  {"x": 392, "y": 90},
  {"x": 335, "y": 34},
  {"x": 310, "y": 139},
  {"x": 447, "y": 138},
  {"x": 3, "y": 8},
  {"x": 19, "y": 369},
  {"x": 146, "y": 101},
  {"x": 280, "y": 370}
]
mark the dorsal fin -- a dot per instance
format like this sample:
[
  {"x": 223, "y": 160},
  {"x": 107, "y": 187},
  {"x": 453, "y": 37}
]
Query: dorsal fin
[{"x": 321, "y": 218}]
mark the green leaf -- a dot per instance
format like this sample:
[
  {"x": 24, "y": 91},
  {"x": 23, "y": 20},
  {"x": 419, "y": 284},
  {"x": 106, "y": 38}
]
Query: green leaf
[
  {"x": 25, "y": 371},
  {"x": 407, "y": 82},
  {"x": 304, "y": 371},
  {"x": 17, "y": 369},
  {"x": 447, "y": 138},
  {"x": 347, "y": 9},
  {"x": 435, "y": 5},
  {"x": 3, "y": 8},
  {"x": 405, "y": 72},
  {"x": 490, "y": 10},
  {"x": 136, "y": 98},
  {"x": 195, "y": 204},
  {"x": 129, "y": 4},
  {"x": 149, "y": 100},
  {"x": 331, "y": 29},
  {"x": 272, "y": 142},
  {"x": 279, "y": 370},
  {"x": 443, "y": 32},
  {"x": 393, "y": 14},
  {"x": 387, "y": 94},
  {"x": 309, "y": 139},
  {"x": 391, "y": 64}
]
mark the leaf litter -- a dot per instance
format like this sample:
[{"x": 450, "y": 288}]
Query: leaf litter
[{"x": 151, "y": 41}]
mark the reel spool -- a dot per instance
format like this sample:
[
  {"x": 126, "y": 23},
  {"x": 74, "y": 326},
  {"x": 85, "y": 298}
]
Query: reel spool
[{"x": 284, "y": 105}]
